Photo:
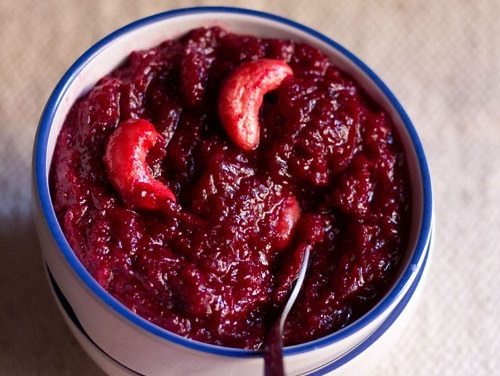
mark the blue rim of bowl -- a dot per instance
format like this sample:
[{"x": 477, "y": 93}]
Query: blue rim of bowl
[
  {"x": 330, "y": 366},
  {"x": 42, "y": 192}
]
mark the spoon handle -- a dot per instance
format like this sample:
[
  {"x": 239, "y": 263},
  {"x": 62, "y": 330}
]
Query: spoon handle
[{"x": 273, "y": 350}]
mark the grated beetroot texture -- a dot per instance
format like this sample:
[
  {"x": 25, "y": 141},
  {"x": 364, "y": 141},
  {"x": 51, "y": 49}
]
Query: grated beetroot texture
[{"x": 217, "y": 265}]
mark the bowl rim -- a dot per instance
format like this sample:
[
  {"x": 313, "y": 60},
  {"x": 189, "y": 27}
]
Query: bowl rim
[
  {"x": 68, "y": 312},
  {"x": 43, "y": 198}
]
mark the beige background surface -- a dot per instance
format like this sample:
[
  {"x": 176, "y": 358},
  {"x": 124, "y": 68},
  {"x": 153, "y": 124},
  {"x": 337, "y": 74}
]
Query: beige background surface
[{"x": 441, "y": 58}]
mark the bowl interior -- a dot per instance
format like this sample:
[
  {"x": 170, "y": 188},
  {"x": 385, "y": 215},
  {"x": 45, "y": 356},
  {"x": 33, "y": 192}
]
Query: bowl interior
[{"x": 112, "y": 50}]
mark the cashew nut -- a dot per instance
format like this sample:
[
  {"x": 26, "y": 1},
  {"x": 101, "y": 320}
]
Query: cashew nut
[
  {"x": 125, "y": 162},
  {"x": 241, "y": 97}
]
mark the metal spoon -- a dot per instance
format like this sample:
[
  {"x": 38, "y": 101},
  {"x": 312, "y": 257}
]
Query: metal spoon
[{"x": 273, "y": 343}]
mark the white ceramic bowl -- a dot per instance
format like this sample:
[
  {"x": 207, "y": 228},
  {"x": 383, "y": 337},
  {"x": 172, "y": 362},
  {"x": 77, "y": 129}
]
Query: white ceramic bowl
[{"x": 124, "y": 343}]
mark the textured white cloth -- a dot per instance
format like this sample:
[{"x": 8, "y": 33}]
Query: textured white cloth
[{"x": 442, "y": 60}]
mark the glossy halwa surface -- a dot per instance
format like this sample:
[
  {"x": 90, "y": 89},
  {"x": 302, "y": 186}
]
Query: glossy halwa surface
[{"x": 216, "y": 265}]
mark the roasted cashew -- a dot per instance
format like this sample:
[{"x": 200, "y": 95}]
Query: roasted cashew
[
  {"x": 241, "y": 97},
  {"x": 125, "y": 162}
]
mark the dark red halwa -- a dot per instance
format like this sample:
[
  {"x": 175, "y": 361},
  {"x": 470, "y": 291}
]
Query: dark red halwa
[{"x": 215, "y": 268}]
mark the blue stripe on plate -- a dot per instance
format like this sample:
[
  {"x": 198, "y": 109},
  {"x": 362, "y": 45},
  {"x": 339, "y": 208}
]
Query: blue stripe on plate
[
  {"x": 321, "y": 371},
  {"x": 74, "y": 319}
]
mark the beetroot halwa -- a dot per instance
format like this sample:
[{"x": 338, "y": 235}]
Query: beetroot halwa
[{"x": 213, "y": 255}]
